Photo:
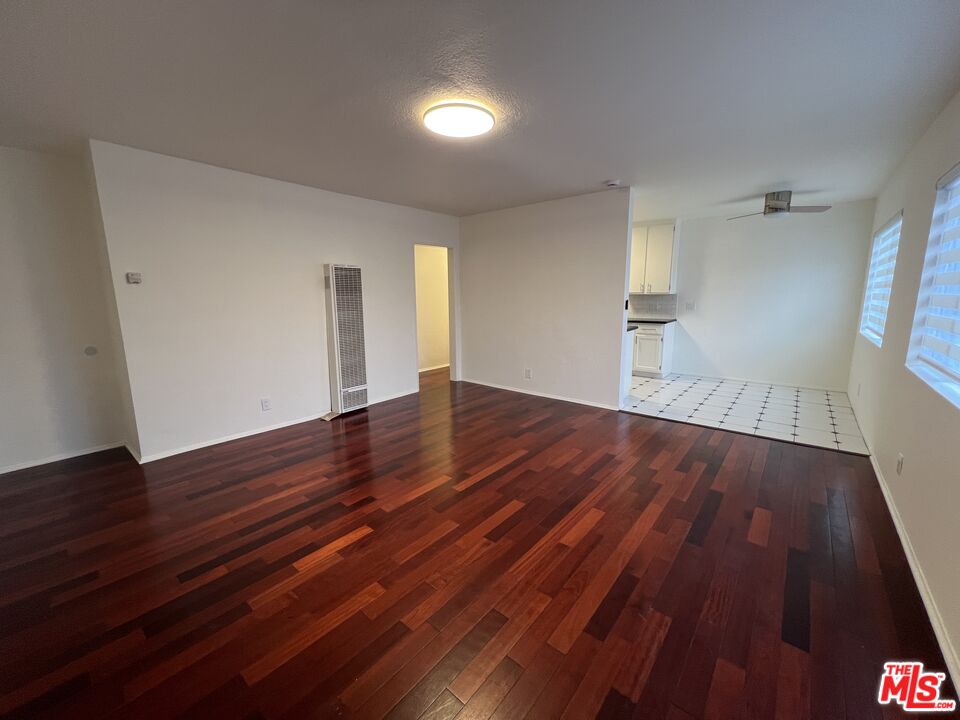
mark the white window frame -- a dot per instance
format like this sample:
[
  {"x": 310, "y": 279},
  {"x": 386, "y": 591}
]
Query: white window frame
[
  {"x": 944, "y": 379},
  {"x": 883, "y": 253}
]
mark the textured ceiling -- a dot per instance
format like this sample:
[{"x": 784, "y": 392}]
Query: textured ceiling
[{"x": 697, "y": 104}]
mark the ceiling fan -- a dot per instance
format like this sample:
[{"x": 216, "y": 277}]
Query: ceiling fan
[{"x": 778, "y": 203}]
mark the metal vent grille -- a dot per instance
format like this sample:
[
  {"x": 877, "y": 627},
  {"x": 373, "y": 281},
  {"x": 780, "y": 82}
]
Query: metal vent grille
[
  {"x": 348, "y": 367},
  {"x": 354, "y": 398},
  {"x": 349, "y": 298}
]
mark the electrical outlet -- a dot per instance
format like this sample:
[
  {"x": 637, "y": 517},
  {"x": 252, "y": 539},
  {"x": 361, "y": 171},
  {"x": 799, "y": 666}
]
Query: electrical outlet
[
  {"x": 264, "y": 404},
  {"x": 527, "y": 374},
  {"x": 899, "y": 463},
  {"x": 690, "y": 305},
  {"x": 858, "y": 389}
]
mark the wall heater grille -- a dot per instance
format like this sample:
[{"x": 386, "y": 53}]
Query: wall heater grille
[{"x": 348, "y": 364}]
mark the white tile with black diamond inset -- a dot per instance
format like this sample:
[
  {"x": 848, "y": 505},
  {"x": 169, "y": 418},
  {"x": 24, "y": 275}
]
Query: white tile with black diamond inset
[{"x": 822, "y": 418}]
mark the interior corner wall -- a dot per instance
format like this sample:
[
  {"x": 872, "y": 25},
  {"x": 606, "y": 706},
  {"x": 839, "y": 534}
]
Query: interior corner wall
[
  {"x": 56, "y": 400},
  {"x": 772, "y": 299},
  {"x": 125, "y": 418},
  {"x": 231, "y": 307},
  {"x": 900, "y": 413},
  {"x": 542, "y": 287},
  {"x": 433, "y": 307}
]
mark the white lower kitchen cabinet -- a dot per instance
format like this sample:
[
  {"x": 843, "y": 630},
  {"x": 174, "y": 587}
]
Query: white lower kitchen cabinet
[{"x": 653, "y": 349}]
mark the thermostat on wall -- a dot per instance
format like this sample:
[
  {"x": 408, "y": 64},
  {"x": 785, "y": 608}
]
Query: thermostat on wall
[{"x": 134, "y": 279}]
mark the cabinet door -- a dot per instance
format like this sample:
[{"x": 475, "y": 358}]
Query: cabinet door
[
  {"x": 659, "y": 258},
  {"x": 646, "y": 353},
  {"x": 638, "y": 260}
]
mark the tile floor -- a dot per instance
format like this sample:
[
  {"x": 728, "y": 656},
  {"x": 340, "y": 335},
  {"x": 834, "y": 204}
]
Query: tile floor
[{"x": 810, "y": 417}]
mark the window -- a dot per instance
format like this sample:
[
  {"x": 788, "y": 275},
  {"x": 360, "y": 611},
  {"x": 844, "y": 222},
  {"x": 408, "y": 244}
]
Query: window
[
  {"x": 934, "y": 353},
  {"x": 876, "y": 300}
]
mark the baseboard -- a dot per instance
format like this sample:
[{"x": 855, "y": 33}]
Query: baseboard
[
  {"x": 543, "y": 395},
  {"x": 946, "y": 646},
  {"x": 434, "y": 367},
  {"x": 226, "y": 438},
  {"x": 247, "y": 433},
  {"x": 133, "y": 453},
  {"x": 58, "y": 457}
]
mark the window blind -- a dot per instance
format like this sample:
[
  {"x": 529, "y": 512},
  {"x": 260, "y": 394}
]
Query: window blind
[
  {"x": 935, "y": 341},
  {"x": 883, "y": 261}
]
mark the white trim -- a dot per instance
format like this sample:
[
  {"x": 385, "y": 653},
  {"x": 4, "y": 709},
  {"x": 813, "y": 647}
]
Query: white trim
[
  {"x": 133, "y": 453},
  {"x": 544, "y": 395},
  {"x": 58, "y": 457},
  {"x": 247, "y": 433},
  {"x": 936, "y": 620},
  {"x": 948, "y": 177},
  {"x": 434, "y": 367},
  {"x": 225, "y": 438}
]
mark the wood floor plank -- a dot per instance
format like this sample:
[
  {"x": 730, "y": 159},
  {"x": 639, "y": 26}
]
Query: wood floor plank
[
  {"x": 759, "y": 527},
  {"x": 726, "y": 685},
  {"x": 462, "y": 552},
  {"x": 273, "y": 660},
  {"x": 495, "y": 687},
  {"x": 476, "y": 672},
  {"x": 583, "y": 526},
  {"x": 635, "y": 671},
  {"x": 579, "y": 615}
]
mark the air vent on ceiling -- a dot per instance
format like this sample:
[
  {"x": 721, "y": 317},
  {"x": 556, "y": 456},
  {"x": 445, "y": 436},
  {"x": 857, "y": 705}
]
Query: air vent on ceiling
[{"x": 345, "y": 344}]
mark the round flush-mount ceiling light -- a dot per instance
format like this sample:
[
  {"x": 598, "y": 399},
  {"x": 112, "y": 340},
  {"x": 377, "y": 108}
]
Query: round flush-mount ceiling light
[{"x": 458, "y": 119}]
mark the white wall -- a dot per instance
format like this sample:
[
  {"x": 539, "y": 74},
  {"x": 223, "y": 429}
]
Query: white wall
[
  {"x": 897, "y": 411},
  {"x": 231, "y": 309},
  {"x": 777, "y": 299},
  {"x": 543, "y": 287},
  {"x": 55, "y": 401},
  {"x": 433, "y": 307}
]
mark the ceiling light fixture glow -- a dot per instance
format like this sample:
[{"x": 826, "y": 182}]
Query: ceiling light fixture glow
[{"x": 458, "y": 119}]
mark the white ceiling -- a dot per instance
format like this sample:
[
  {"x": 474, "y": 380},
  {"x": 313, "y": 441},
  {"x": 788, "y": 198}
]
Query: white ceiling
[{"x": 696, "y": 103}]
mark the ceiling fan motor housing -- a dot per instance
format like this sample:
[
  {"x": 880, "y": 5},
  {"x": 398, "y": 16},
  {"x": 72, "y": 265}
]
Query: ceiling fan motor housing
[{"x": 777, "y": 202}]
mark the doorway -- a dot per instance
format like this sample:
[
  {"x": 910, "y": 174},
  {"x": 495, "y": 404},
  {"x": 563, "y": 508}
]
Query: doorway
[{"x": 432, "y": 277}]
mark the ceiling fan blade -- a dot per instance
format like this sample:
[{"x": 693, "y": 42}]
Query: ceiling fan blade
[
  {"x": 737, "y": 217},
  {"x": 810, "y": 208}
]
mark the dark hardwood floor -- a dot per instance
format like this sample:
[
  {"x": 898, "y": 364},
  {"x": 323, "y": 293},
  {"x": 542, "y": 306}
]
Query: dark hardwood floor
[{"x": 465, "y": 552}]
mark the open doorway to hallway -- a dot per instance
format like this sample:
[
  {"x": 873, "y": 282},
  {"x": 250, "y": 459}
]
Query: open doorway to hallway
[{"x": 433, "y": 310}]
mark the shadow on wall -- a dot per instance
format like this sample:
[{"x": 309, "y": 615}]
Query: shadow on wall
[
  {"x": 60, "y": 346},
  {"x": 694, "y": 354}
]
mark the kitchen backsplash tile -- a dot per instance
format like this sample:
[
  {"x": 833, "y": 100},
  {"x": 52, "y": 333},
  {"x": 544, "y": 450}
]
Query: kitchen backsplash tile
[{"x": 652, "y": 306}]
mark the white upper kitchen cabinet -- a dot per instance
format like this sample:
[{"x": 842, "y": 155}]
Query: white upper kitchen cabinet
[
  {"x": 659, "y": 258},
  {"x": 653, "y": 249}
]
